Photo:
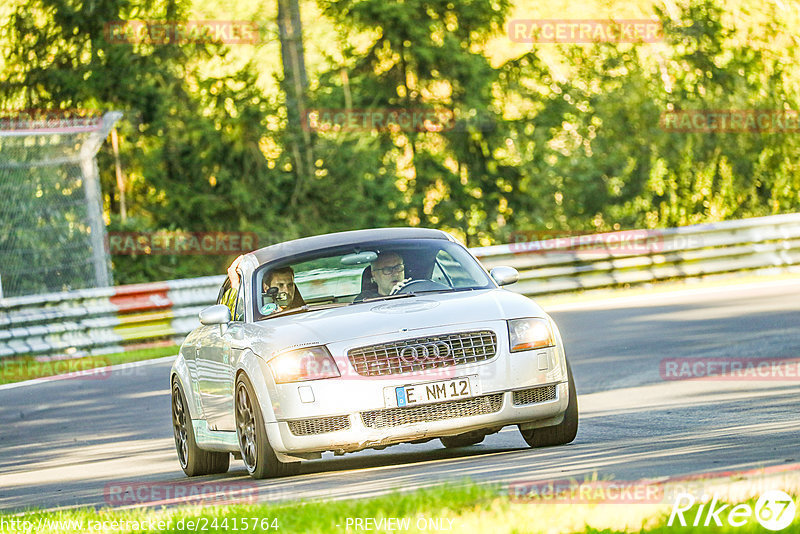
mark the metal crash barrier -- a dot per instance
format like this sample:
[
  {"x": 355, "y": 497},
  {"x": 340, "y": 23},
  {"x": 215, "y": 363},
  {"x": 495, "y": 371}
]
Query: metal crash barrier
[
  {"x": 642, "y": 256},
  {"x": 104, "y": 320},
  {"x": 117, "y": 319}
]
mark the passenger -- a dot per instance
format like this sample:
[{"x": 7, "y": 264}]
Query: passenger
[{"x": 286, "y": 296}]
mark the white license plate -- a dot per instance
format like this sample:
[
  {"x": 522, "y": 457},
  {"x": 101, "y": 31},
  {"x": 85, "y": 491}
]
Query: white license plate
[{"x": 443, "y": 390}]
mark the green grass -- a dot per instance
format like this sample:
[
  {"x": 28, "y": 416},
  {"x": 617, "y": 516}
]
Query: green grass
[
  {"x": 27, "y": 367},
  {"x": 453, "y": 508},
  {"x": 311, "y": 517}
]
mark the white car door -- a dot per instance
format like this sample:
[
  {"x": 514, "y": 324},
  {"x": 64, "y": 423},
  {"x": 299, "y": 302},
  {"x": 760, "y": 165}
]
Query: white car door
[{"x": 214, "y": 364}]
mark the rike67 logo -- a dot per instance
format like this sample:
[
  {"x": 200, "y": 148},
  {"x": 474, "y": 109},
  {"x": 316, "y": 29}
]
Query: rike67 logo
[{"x": 774, "y": 510}]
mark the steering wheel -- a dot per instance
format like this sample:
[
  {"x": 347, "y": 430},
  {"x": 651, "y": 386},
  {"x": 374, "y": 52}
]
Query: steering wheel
[{"x": 418, "y": 285}]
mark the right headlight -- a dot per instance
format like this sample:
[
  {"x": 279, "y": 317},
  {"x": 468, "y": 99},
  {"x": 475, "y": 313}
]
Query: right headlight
[
  {"x": 298, "y": 365},
  {"x": 529, "y": 334}
]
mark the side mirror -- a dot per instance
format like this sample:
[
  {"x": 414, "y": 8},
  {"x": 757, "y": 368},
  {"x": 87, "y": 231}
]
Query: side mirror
[
  {"x": 216, "y": 314},
  {"x": 504, "y": 275}
]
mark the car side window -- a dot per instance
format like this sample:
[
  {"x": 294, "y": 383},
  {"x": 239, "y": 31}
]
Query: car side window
[
  {"x": 453, "y": 271},
  {"x": 225, "y": 287},
  {"x": 239, "y": 314},
  {"x": 233, "y": 299},
  {"x": 439, "y": 276}
]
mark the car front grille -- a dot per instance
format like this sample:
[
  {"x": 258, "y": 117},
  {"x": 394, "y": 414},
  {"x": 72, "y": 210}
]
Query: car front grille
[
  {"x": 439, "y": 411},
  {"x": 534, "y": 395},
  {"x": 422, "y": 353},
  {"x": 321, "y": 425}
]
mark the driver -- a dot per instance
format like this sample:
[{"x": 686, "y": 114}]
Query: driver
[{"x": 388, "y": 272}]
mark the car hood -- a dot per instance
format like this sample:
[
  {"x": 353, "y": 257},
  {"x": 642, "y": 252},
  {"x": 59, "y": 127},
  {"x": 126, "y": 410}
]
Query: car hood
[{"x": 368, "y": 319}]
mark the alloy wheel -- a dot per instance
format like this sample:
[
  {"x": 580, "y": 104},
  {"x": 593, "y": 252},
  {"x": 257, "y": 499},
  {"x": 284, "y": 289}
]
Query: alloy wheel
[
  {"x": 246, "y": 427},
  {"x": 179, "y": 426}
]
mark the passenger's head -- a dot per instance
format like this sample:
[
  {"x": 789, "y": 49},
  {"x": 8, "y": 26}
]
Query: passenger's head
[
  {"x": 283, "y": 279},
  {"x": 387, "y": 271}
]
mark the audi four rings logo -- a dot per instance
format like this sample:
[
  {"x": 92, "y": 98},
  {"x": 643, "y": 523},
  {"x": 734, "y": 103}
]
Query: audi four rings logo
[{"x": 425, "y": 352}]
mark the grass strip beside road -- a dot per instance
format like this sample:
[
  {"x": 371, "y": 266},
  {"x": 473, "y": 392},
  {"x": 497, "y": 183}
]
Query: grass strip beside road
[
  {"x": 464, "y": 508},
  {"x": 14, "y": 370}
]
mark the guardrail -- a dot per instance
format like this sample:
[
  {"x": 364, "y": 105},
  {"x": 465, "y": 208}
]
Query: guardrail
[
  {"x": 641, "y": 256},
  {"x": 116, "y": 319},
  {"x": 104, "y": 320}
]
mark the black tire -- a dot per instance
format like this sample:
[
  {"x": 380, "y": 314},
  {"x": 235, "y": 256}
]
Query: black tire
[
  {"x": 257, "y": 454},
  {"x": 462, "y": 440},
  {"x": 193, "y": 460},
  {"x": 559, "y": 434}
]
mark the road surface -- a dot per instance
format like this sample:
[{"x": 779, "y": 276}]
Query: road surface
[{"x": 76, "y": 442}]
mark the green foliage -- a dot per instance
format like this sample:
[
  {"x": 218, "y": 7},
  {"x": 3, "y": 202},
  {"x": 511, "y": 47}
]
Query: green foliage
[
  {"x": 191, "y": 153},
  {"x": 425, "y": 56},
  {"x": 607, "y": 162}
]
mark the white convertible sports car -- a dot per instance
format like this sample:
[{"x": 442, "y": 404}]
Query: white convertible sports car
[{"x": 364, "y": 339}]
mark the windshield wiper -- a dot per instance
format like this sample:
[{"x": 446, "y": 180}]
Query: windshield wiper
[
  {"x": 306, "y": 308},
  {"x": 387, "y": 297},
  {"x": 448, "y": 290},
  {"x": 416, "y": 293}
]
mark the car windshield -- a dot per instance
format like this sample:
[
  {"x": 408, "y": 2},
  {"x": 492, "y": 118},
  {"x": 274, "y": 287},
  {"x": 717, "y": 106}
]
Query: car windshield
[{"x": 350, "y": 275}]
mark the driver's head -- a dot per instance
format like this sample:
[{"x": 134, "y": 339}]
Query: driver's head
[
  {"x": 387, "y": 271},
  {"x": 283, "y": 279}
]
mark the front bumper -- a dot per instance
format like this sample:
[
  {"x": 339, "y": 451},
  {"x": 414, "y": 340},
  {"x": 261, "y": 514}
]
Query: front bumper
[
  {"x": 378, "y": 428},
  {"x": 352, "y": 412}
]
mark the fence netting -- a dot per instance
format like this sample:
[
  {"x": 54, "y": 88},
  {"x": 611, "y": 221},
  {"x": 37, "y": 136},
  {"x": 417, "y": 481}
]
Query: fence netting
[{"x": 52, "y": 233}]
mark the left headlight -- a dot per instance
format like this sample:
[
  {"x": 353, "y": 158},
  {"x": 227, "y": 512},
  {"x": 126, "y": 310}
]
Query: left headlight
[
  {"x": 529, "y": 334},
  {"x": 311, "y": 363}
]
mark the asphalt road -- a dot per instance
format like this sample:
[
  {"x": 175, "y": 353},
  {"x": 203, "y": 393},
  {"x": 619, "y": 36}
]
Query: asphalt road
[{"x": 76, "y": 442}]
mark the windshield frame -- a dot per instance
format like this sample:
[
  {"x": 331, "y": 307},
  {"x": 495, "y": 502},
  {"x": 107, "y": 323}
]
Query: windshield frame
[{"x": 378, "y": 244}]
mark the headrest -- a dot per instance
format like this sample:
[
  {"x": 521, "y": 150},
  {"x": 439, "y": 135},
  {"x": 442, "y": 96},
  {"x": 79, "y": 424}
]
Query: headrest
[{"x": 367, "y": 284}]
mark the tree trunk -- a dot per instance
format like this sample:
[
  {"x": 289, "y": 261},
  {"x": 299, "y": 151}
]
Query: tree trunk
[{"x": 295, "y": 83}]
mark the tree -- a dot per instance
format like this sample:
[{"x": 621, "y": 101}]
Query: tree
[
  {"x": 425, "y": 56},
  {"x": 295, "y": 85},
  {"x": 189, "y": 142}
]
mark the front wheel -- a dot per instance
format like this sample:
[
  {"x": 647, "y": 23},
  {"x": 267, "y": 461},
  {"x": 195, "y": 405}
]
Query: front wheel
[
  {"x": 559, "y": 434},
  {"x": 257, "y": 454},
  {"x": 194, "y": 460}
]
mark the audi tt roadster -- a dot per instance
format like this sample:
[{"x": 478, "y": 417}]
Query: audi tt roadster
[{"x": 365, "y": 339}]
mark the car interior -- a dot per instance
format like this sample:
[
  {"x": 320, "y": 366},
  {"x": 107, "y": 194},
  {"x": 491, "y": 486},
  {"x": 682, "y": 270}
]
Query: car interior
[{"x": 420, "y": 264}]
